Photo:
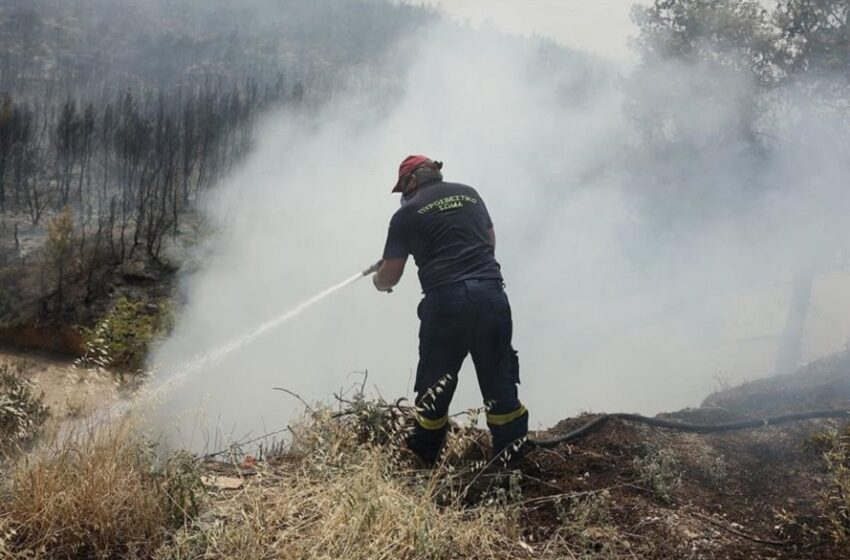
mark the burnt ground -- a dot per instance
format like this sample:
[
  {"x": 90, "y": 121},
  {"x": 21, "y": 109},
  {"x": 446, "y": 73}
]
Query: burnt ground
[
  {"x": 760, "y": 493},
  {"x": 632, "y": 491}
]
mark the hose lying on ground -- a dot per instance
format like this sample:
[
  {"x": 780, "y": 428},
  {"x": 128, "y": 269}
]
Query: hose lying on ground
[{"x": 597, "y": 423}]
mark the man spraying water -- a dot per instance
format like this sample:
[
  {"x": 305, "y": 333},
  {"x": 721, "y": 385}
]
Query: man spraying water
[{"x": 447, "y": 229}]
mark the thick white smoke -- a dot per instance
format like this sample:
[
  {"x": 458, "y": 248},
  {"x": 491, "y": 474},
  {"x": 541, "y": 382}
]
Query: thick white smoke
[{"x": 624, "y": 297}]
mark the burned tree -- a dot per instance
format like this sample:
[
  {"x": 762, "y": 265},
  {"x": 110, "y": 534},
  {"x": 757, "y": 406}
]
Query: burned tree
[{"x": 59, "y": 248}]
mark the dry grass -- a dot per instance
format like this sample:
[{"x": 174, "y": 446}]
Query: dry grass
[
  {"x": 344, "y": 488},
  {"x": 98, "y": 494},
  {"x": 836, "y": 453},
  {"x": 333, "y": 496}
]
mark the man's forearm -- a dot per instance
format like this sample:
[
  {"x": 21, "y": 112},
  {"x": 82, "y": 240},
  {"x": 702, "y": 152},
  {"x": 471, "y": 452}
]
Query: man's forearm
[
  {"x": 380, "y": 282},
  {"x": 389, "y": 274}
]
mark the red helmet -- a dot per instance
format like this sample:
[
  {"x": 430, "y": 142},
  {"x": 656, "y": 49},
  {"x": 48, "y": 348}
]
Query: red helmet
[{"x": 408, "y": 166}]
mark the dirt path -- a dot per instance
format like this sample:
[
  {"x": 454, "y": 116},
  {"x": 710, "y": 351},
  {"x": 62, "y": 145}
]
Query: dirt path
[{"x": 69, "y": 391}]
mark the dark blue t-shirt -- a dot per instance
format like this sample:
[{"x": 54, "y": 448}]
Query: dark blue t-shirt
[{"x": 445, "y": 227}]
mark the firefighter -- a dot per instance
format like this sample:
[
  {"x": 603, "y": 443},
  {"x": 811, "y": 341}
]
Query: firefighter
[{"x": 447, "y": 229}]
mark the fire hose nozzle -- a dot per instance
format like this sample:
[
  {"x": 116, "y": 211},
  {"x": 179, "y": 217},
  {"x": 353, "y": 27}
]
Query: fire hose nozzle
[{"x": 373, "y": 269}]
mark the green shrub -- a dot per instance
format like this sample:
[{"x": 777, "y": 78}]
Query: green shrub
[
  {"x": 121, "y": 339},
  {"x": 22, "y": 412},
  {"x": 661, "y": 472},
  {"x": 182, "y": 488}
]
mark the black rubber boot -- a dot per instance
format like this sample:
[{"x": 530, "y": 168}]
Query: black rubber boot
[{"x": 426, "y": 444}]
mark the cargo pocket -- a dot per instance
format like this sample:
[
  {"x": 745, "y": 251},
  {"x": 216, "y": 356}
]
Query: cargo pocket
[{"x": 510, "y": 366}]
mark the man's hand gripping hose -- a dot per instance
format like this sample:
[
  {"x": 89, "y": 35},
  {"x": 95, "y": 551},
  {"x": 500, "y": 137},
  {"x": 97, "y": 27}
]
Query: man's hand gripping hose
[{"x": 372, "y": 270}]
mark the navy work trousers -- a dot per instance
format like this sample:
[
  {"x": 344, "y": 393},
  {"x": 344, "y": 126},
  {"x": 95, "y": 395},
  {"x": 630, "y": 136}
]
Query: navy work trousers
[{"x": 468, "y": 317}]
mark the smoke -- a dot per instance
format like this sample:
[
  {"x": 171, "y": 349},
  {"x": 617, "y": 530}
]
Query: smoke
[
  {"x": 601, "y": 26},
  {"x": 641, "y": 274}
]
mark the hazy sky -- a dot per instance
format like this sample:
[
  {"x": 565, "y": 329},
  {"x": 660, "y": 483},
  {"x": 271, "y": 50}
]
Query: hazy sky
[{"x": 599, "y": 26}]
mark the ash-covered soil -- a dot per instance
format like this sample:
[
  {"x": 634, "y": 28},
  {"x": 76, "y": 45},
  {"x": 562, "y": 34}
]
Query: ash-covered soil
[
  {"x": 650, "y": 493},
  {"x": 763, "y": 493}
]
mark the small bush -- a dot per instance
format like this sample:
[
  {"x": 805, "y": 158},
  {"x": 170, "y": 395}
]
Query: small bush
[
  {"x": 661, "y": 472},
  {"x": 22, "y": 412},
  {"x": 587, "y": 528},
  {"x": 182, "y": 488},
  {"x": 121, "y": 339},
  {"x": 59, "y": 247}
]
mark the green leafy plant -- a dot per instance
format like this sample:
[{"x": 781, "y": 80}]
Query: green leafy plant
[
  {"x": 661, "y": 471},
  {"x": 586, "y": 524},
  {"x": 22, "y": 412},
  {"x": 182, "y": 488}
]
